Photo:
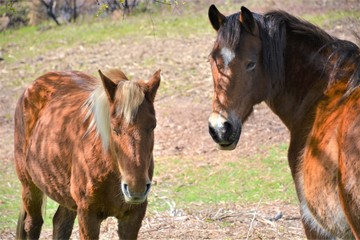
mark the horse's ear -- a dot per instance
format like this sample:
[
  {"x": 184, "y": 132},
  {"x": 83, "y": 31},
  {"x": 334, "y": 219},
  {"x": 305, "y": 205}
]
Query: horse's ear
[
  {"x": 109, "y": 85},
  {"x": 216, "y": 18},
  {"x": 153, "y": 85},
  {"x": 247, "y": 21}
]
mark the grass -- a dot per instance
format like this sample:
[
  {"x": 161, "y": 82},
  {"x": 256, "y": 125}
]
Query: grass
[
  {"x": 243, "y": 181},
  {"x": 9, "y": 196},
  {"x": 326, "y": 19},
  {"x": 10, "y": 199}
]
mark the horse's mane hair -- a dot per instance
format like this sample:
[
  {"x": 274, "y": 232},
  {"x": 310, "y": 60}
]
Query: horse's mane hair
[
  {"x": 275, "y": 27},
  {"x": 278, "y": 24},
  {"x": 128, "y": 97},
  {"x": 230, "y": 32},
  {"x": 347, "y": 55}
]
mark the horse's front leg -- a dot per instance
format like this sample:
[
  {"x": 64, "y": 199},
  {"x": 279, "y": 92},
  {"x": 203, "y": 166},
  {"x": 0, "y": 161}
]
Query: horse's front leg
[
  {"x": 129, "y": 225},
  {"x": 63, "y": 222},
  {"x": 89, "y": 224}
]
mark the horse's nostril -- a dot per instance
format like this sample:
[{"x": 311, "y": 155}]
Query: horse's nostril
[
  {"x": 227, "y": 129},
  {"x": 125, "y": 189},
  {"x": 129, "y": 193},
  {"x": 148, "y": 186},
  {"x": 213, "y": 133}
]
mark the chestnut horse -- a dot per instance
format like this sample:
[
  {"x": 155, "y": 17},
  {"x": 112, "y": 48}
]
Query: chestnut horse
[
  {"x": 88, "y": 146},
  {"x": 311, "y": 81}
]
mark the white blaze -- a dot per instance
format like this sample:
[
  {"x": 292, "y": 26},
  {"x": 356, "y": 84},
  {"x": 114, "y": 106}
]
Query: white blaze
[
  {"x": 227, "y": 56},
  {"x": 216, "y": 120}
]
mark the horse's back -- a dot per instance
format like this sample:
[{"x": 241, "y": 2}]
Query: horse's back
[{"x": 43, "y": 89}]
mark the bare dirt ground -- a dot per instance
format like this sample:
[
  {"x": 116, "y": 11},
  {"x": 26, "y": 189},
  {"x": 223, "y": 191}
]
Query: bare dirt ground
[{"x": 183, "y": 105}]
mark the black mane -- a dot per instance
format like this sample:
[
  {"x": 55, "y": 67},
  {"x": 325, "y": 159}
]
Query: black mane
[{"x": 229, "y": 33}]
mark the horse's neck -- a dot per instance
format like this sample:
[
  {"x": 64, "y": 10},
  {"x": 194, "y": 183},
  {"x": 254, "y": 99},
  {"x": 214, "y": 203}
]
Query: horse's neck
[{"x": 305, "y": 82}]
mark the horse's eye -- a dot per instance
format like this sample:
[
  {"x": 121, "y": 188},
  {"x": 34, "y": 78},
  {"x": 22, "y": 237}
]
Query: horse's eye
[
  {"x": 117, "y": 131},
  {"x": 219, "y": 65},
  {"x": 250, "y": 66}
]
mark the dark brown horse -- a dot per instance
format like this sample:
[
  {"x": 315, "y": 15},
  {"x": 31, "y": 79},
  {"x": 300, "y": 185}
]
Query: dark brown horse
[
  {"x": 311, "y": 81},
  {"x": 88, "y": 146}
]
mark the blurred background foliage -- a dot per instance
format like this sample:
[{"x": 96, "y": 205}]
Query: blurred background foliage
[{"x": 17, "y": 13}]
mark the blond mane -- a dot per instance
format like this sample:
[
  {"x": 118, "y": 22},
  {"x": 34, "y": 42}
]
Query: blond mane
[{"x": 128, "y": 97}]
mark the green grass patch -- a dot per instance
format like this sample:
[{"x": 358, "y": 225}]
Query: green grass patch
[
  {"x": 10, "y": 195},
  {"x": 329, "y": 18},
  {"x": 265, "y": 178},
  {"x": 10, "y": 199}
]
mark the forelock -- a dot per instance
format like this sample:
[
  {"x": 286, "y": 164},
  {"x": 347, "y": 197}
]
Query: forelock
[
  {"x": 229, "y": 32},
  {"x": 129, "y": 96}
]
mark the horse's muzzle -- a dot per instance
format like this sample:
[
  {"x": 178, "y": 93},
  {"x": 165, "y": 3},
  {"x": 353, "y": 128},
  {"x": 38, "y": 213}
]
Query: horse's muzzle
[
  {"x": 135, "y": 197},
  {"x": 224, "y": 132}
]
